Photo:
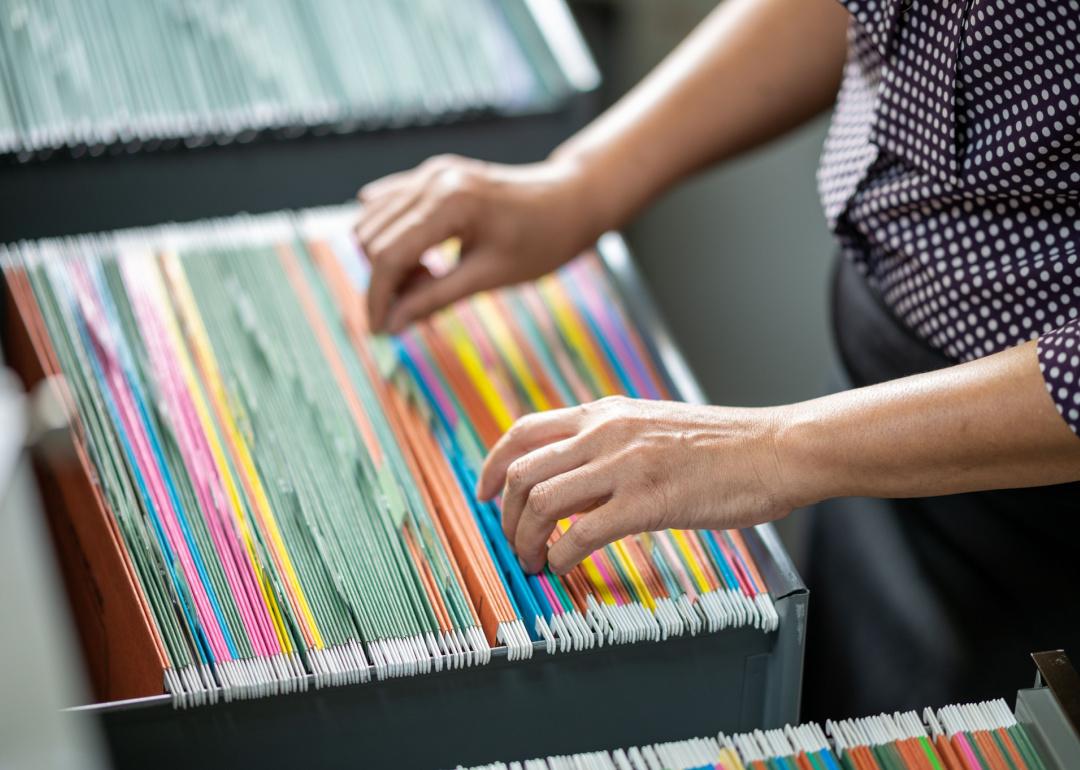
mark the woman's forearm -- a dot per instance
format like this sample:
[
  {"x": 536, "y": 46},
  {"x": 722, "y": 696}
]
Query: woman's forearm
[
  {"x": 987, "y": 424},
  {"x": 637, "y": 465},
  {"x": 751, "y": 71}
]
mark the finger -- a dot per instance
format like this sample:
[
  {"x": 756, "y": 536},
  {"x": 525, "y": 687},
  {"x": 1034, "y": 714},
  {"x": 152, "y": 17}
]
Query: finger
[
  {"x": 388, "y": 198},
  {"x": 422, "y": 298},
  {"x": 369, "y": 211},
  {"x": 528, "y": 433},
  {"x": 380, "y": 187},
  {"x": 415, "y": 279},
  {"x": 397, "y": 251},
  {"x": 590, "y": 532},
  {"x": 419, "y": 175},
  {"x": 384, "y": 213},
  {"x": 530, "y": 469},
  {"x": 418, "y": 276},
  {"x": 572, "y": 492}
]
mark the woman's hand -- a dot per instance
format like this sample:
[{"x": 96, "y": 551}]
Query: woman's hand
[
  {"x": 632, "y": 466},
  {"x": 635, "y": 466},
  {"x": 515, "y": 223},
  {"x": 712, "y": 98}
]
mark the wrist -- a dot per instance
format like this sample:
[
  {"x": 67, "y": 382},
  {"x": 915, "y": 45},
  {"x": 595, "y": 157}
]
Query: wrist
[
  {"x": 595, "y": 190},
  {"x": 799, "y": 444}
]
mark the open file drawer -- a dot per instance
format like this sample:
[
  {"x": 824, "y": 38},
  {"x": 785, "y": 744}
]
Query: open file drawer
[{"x": 736, "y": 679}]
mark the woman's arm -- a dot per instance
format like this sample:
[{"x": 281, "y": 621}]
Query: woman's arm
[
  {"x": 986, "y": 424},
  {"x": 752, "y": 70},
  {"x": 639, "y": 466}
]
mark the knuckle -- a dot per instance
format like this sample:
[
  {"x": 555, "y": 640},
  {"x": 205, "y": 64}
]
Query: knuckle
[
  {"x": 591, "y": 411},
  {"x": 438, "y": 162},
  {"x": 517, "y": 474},
  {"x": 608, "y": 435},
  {"x": 513, "y": 434},
  {"x": 561, "y": 451},
  {"x": 522, "y": 426},
  {"x": 455, "y": 184},
  {"x": 613, "y": 432},
  {"x": 593, "y": 437},
  {"x": 613, "y": 409},
  {"x": 541, "y": 499},
  {"x": 584, "y": 536},
  {"x": 375, "y": 250}
]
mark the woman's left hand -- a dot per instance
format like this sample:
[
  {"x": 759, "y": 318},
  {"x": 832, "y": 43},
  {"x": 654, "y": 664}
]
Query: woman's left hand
[{"x": 632, "y": 466}]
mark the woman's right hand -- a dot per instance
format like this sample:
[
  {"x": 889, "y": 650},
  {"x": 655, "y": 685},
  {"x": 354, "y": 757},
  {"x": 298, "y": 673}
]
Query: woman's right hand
[{"x": 515, "y": 223}]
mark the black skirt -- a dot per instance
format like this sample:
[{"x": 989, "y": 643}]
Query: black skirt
[{"x": 937, "y": 600}]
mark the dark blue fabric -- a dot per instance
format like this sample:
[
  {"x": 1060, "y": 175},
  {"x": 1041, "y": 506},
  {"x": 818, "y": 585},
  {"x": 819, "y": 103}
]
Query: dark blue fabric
[{"x": 935, "y": 600}]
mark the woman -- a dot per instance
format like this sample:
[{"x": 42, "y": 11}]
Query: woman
[{"x": 950, "y": 179}]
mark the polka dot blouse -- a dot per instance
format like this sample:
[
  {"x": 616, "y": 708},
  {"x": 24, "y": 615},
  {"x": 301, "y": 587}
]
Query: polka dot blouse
[{"x": 951, "y": 174}]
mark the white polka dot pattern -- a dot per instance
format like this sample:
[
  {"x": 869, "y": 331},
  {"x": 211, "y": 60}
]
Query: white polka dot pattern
[
  {"x": 951, "y": 174},
  {"x": 1059, "y": 360}
]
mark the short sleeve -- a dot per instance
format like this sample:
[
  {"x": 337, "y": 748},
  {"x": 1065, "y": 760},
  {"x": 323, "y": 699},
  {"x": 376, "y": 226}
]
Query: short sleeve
[{"x": 1059, "y": 361}]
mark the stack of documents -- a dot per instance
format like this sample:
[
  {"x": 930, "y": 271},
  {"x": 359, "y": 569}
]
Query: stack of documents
[
  {"x": 93, "y": 75},
  {"x": 295, "y": 497}
]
